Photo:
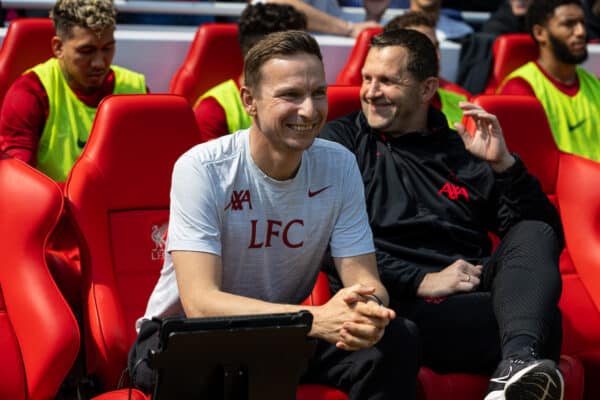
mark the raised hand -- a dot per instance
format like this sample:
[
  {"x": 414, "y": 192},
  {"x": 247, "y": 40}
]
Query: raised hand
[{"x": 487, "y": 141}]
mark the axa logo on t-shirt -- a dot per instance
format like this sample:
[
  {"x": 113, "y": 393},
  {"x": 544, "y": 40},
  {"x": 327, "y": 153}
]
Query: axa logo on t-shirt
[
  {"x": 454, "y": 191},
  {"x": 274, "y": 230},
  {"x": 238, "y": 198}
]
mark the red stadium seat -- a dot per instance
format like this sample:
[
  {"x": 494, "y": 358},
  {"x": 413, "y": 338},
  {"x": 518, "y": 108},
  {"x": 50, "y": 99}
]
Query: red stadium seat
[
  {"x": 118, "y": 197},
  {"x": 27, "y": 43},
  {"x": 39, "y": 336},
  {"x": 510, "y": 52},
  {"x": 571, "y": 183},
  {"x": 350, "y": 74},
  {"x": 213, "y": 57},
  {"x": 342, "y": 100}
]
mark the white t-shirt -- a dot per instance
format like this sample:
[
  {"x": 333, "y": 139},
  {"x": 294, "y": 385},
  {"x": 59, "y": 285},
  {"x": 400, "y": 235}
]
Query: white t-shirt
[{"x": 271, "y": 235}]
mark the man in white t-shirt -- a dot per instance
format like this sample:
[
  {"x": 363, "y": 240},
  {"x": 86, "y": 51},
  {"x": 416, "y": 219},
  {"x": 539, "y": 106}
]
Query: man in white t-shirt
[{"x": 252, "y": 215}]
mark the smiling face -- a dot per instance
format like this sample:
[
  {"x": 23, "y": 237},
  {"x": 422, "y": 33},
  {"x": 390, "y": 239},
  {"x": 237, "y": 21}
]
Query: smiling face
[
  {"x": 85, "y": 57},
  {"x": 390, "y": 95},
  {"x": 289, "y": 103}
]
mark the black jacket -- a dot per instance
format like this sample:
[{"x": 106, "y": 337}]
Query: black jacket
[{"x": 430, "y": 202}]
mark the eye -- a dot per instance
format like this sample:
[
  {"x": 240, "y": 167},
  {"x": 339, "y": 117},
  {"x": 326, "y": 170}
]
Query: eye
[
  {"x": 320, "y": 93},
  {"x": 85, "y": 51},
  {"x": 291, "y": 95}
]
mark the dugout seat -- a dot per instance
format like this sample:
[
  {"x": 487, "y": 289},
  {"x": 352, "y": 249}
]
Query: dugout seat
[
  {"x": 39, "y": 336},
  {"x": 27, "y": 43},
  {"x": 510, "y": 52},
  {"x": 350, "y": 74},
  {"x": 214, "y": 56},
  {"x": 118, "y": 197},
  {"x": 571, "y": 184},
  {"x": 342, "y": 100}
]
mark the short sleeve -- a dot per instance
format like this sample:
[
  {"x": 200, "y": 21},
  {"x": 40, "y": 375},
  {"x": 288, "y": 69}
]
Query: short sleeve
[
  {"x": 194, "y": 221},
  {"x": 352, "y": 234}
]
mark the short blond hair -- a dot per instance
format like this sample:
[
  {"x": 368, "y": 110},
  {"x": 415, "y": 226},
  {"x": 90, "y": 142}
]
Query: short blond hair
[{"x": 96, "y": 15}]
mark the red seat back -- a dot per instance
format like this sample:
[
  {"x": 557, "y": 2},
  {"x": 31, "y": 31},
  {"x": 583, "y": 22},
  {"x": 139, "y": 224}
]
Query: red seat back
[
  {"x": 510, "y": 52},
  {"x": 527, "y": 133},
  {"x": 571, "y": 183},
  {"x": 118, "y": 197},
  {"x": 342, "y": 100},
  {"x": 27, "y": 43},
  {"x": 350, "y": 74},
  {"x": 39, "y": 337},
  {"x": 213, "y": 57}
]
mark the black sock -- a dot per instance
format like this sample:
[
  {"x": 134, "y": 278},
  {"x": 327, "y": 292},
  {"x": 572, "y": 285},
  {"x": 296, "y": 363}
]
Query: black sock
[{"x": 520, "y": 346}]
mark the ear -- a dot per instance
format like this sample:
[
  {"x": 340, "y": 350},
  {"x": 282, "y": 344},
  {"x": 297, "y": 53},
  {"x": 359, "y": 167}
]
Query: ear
[
  {"x": 248, "y": 100},
  {"x": 57, "y": 46},
  {"x": 540, "y": 33},
  {"x": 428, "y": 88}
]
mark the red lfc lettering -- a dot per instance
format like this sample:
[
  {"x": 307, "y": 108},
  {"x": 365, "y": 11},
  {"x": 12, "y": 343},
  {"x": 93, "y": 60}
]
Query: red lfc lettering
[{"x": 272, "y": 232}]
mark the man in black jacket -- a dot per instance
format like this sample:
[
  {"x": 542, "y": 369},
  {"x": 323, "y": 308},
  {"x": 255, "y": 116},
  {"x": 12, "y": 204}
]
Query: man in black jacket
[{"x": 432, "y": 196}]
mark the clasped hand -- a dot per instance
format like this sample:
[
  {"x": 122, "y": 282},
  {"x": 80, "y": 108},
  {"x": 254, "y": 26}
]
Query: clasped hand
[{"x": 351, "y": 320}]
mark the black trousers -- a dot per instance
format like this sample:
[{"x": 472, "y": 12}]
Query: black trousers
[
  {"x": 518, "y": 294},
  {"x": 386, "y": 371}
]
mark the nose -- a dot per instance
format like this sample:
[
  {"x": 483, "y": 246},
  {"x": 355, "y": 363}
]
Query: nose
[
  {"x": 98, "y": 61},
  {"x": 580, "y": 29},
  {"x": 371, "y": 89},
  {"x": 308, "y": 108}
]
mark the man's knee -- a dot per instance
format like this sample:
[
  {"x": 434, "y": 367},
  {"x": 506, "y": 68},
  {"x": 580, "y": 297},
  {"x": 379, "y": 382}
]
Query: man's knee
[
  {"x": 401, "y": 339},
  {"x": 533, "y": 233}
]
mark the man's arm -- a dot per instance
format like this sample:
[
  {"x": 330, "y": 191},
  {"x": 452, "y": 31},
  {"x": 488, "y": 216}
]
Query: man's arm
[
  {"x": 519, "y": 194},
  {"x": 348, "y": 319},
  {"x": 22, "y": 119},
  {"x": 320, "y": 21}
]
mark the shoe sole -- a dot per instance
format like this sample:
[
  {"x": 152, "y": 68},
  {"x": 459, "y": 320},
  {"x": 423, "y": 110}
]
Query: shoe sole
[{"x": 540, "y": 381}]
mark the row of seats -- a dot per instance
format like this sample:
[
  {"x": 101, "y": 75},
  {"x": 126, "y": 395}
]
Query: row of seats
[
  {"x": 201, "y": 70},
  {"x": 116, "y": 197}
]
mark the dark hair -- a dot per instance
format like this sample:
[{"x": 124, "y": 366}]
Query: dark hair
[
  {"x": 422, "y": 55},
  {"x": 410, "y": 19},
  {"x": 285, "y": 43},
  {"x": 540, "y": 11},
  {"x": 258, "y": 20},
  {"x": 97, "y": 15}
]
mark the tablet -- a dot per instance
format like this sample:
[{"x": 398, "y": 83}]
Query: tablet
[{"x": 254, "y": 357}]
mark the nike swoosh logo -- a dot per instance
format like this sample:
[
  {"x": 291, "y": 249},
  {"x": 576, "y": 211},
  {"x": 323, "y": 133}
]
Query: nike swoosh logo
[
  {"x": 503, "y": 379},
  {"x": 577, "y": 125},
  {"x": 80, "y": 143},
  {"x": 316, "y": 192}
]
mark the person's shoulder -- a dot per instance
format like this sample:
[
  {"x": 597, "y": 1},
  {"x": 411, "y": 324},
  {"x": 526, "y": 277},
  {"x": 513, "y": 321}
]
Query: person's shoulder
[
  {"x": 348, "y": 125},
  {"x": 217, "y": 151},
  {"x": 588, "y": 74},
  {"x": 28, "y": 81},
  {"x": 124, "y": 69},
  {"x": 329, "y": 151}
]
